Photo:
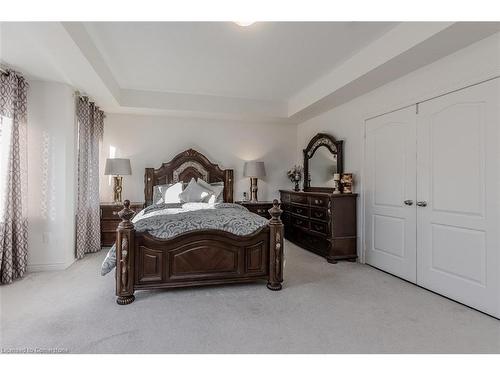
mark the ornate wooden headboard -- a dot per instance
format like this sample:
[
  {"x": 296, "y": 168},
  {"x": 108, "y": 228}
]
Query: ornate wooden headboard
[{"x": 183, "y": 167}]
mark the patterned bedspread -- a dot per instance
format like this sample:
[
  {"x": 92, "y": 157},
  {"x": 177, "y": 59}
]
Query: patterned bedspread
[{"x": 167, "y": 221}]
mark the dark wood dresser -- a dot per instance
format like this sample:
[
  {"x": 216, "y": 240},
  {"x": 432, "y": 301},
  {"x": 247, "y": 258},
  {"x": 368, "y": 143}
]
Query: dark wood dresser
[
  {"x": 110, "y": 220},
  {"x": 323, "y": 223},
  {"x": 260, "y": 208}
]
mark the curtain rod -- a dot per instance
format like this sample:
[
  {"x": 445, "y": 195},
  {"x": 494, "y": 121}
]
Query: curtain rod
[{"x": 78, "y": 94}]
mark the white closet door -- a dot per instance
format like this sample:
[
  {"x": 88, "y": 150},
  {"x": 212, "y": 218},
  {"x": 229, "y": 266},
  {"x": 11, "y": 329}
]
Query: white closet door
[
  {"x": 390, "y": 173},
  {"x": 458, "y": 180}
]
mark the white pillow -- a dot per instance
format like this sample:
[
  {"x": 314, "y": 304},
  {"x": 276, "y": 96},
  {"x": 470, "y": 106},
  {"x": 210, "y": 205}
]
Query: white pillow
[
  {"x": 217, "y": 188},
  {"x": 171, "y": 194},
  {"x": 168, "y": 193},
  {"x": 194, "y": 192}
]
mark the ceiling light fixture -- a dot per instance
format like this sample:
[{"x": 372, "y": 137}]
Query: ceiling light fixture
[{"x": 244, "y": 23}]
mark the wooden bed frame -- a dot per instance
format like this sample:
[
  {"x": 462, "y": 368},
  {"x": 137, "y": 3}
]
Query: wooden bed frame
[{"x": 200, "y": 257}]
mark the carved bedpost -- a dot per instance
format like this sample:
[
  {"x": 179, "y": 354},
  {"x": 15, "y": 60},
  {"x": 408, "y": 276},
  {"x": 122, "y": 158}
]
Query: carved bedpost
[
  {"x": 275, "y": 248},
  {"x": 228, "y": 185},
  {"x": 125, "y": 235},
  {"x": 148, "y": 185}
]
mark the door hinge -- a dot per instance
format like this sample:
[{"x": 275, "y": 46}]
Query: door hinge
[{"x": 416, "y": 108}]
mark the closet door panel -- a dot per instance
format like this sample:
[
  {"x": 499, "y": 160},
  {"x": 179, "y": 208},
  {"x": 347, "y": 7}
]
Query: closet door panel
[
  {"x": 457, "y": 173},
  {"x": 390, "y": 181}
]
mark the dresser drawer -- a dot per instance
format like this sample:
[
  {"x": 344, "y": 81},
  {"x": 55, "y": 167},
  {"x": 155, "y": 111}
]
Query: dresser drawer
[
  {"x": 285, "y": 198},
  {"x": 298, "y": 210},
  {"x": 303, "y": 223},
  {"x": 318, "y": 201},
  {"x": 285, "y": 218},
  {"x": 297, "y": 198},
  {"x": 320, "y": 227},
  {"x": 319, "y": 213},
  {"x": 316, "y": 244}
]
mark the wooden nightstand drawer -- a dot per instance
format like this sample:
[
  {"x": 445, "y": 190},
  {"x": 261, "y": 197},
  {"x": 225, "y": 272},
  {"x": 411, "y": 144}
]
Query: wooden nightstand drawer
[
  {"x": 110, "y": 220},
  {"x": 259, "y": 208},
  {"x": 110, "y": 212},
  {"x": 109, "y": 225}
]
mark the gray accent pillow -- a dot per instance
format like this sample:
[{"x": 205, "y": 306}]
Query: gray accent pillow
[
  {"x": 216, "y": 187},
  {"x": 157, "y": 193},
  {"x": 194, "y": 192}
]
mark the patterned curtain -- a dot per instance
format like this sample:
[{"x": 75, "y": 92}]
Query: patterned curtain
[
  {"x": 90, "y": 129},
  {"x": 13, "y": 178}
]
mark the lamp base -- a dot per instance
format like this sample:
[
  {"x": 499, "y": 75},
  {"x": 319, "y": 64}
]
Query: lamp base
[
  {"x": 117, "y": 189},
  {"x": 253, "y": 189}
]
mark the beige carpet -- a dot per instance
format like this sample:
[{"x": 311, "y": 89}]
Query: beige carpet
[{"x": 323, "y": 308}]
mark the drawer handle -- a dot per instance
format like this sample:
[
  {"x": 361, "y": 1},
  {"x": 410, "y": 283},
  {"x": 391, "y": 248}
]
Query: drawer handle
[
  {"x": 299, "y": 210},
  {"x": 318, "y": 227},
  {"x": 300, "y": 222},
  {"x": 115, "y": 213},
  {"x": 318, "y": 214},
  {"x": 318, "y": 201}
]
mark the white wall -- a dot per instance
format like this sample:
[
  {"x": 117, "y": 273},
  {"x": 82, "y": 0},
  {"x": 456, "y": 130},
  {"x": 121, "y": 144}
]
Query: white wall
[
  {"x": 150, "y": 140},
  {"x": 51, "y": 176},
  {"x": 475, "y": 63}
]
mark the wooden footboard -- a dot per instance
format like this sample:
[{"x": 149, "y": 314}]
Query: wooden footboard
[{"x": 196, "y": 258}]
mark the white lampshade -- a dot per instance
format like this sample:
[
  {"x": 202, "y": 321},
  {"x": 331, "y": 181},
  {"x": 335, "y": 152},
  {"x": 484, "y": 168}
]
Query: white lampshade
[
  {"x": 117, "y": 167},
  {"x": 254, "y": 169}
]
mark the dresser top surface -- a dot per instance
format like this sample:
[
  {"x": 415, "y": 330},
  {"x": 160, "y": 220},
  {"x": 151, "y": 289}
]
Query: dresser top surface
[{"x": 323, "y": 194}]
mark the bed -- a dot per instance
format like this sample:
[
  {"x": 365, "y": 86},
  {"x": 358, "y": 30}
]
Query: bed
[{"x": 234, "y": 247}]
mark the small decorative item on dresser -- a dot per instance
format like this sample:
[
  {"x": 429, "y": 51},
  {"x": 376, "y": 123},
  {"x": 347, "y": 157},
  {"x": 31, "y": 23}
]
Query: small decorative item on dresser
[
  {"x": 336, "y": 181},
  {"x": 260, "y": 208},
  {"x": 347, "y": 183},
  {"x": 295, "y": 175}
]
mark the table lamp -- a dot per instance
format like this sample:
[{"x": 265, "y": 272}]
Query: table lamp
[
  {"x": 254, "y": 170},
  {"x": 117, "y": 168}
]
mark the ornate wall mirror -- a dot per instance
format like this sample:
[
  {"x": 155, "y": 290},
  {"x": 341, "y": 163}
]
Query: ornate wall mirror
[{"x": 322, "y": 158}]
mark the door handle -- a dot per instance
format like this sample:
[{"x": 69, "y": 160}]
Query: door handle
[
  {"x": 422, "y": 203},
  {"x": 408, "y": 202}
]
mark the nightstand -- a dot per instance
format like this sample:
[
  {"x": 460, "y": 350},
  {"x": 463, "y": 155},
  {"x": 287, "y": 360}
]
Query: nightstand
[
  {"x": 110, "y": 220},
  {"x": 260, "y": 208}
]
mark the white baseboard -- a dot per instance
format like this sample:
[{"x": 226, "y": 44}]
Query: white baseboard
[{"x": 49, "y": 266}]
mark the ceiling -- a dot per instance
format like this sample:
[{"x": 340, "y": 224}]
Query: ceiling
[
  {"x": 266, "y": 60},
  {"x": 269, "y": 71}
]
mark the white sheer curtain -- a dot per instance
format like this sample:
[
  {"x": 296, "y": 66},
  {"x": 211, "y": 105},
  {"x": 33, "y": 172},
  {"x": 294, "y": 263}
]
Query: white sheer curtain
[{"x": 13, "y": 168}]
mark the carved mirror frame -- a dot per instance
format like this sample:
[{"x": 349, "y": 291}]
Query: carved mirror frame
[{"x": 335, "y": 147}]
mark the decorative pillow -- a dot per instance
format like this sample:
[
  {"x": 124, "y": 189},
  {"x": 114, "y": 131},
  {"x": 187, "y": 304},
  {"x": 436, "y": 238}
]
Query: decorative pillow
[
  {"x": 195, "y": 192},
  {"x": 168, "y": 193},
  {"x": 172, "y": 193},
  {"x": 157, "y": 194},
  {"x": 217, "y": 188}
]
